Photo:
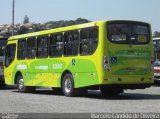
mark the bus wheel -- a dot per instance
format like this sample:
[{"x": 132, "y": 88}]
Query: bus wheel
[
  {"x": 108, "y": 91},
  {"x": 21, "y": 87},
  {"x": 68, "y": 85}
]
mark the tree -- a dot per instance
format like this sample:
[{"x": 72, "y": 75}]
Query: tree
[
  {"x": 26, "y": 19},
  {"x": 81, "y": 21}
]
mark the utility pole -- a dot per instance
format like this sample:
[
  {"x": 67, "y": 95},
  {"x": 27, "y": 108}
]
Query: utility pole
[{"x": 13, "y": 17}]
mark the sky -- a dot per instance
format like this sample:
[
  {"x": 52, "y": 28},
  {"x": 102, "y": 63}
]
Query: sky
[{"x": 41, "y": 11}]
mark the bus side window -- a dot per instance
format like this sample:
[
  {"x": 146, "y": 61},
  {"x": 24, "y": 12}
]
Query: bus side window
[
  {"x": 56, "y": 45},
  {"x": 71, "y": 43},
  {"x": 31, "y": 47},
  {"x": 10, "y": 54},
  {"x": 88, "y": 40},
  {"x": 42, "y": 42},
  {"x": 21, "y": 49}
]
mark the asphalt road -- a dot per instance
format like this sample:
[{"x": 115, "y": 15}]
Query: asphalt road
[{"x": 45, "y": 101}]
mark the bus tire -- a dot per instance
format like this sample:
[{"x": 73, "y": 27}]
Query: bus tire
[
  {"x": 20, "y": 86},
  {"x": 68, "y": 85},
  {"x": 110, "y": 91}
]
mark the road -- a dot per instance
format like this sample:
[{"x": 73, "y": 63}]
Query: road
[{"x": 45, "y": 101}]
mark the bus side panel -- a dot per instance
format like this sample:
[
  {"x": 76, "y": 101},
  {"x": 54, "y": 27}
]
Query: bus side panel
[{"x": 87, "y": 71}]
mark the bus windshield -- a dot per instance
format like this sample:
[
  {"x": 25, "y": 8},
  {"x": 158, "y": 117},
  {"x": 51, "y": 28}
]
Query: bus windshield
[{"x": 128, "y": 32}]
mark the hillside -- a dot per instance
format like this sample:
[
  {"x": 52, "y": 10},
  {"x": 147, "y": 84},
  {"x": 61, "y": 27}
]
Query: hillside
[{"x": 6, "y": 29}]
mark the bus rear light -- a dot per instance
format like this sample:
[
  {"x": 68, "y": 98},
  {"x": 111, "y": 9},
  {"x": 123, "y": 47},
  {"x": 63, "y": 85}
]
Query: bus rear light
[{"x": 106, "y": 63}]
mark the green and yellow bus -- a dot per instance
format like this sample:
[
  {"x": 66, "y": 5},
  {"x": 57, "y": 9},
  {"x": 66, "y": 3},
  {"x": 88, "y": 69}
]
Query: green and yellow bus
[{"x": 106, "y": 55}]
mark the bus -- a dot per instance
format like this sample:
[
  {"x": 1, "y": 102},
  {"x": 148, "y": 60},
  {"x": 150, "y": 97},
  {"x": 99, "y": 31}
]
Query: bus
[
  {"x": 3, "y": 43},
  {"x": 107, "y": 55},
  {"x": 156, "y": 44}
]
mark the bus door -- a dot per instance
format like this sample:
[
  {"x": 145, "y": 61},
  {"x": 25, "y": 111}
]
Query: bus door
[
  {"x": 9, "y": 58},
  {"x": 88, "y": 58}
]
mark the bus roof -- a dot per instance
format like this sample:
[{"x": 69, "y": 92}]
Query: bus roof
[{"x": 61, "y": 29}]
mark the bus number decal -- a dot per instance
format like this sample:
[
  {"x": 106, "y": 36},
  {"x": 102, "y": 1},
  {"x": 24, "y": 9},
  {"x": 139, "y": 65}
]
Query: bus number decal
[
  {"x": 21, "y": 67},
  {"x": 57, "y": 66}
]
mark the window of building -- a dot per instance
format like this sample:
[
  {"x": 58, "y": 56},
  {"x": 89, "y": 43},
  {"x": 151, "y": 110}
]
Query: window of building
[
  {"x": 42, "y": 46},
  {"x": 56, "y": 45},
  {"x": 21, "y": 49},
  {"x": 88, "y": 40},
  {"x": 71, "y": 43},
  {"x": 31, "y": 47}
]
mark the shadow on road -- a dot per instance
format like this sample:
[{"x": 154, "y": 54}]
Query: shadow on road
[
  {"x": 125, "y": 96},
  {"x": 8, "y": 87},
  {"x": 97, "y": 95},
  {"x": 47, "y": 92},
  {"x": 42, "y": 92}
]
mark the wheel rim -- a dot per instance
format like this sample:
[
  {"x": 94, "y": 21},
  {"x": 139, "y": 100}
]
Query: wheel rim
[
  {"x": 68, "y": 85},
  {"x": 20, "y": 84}
]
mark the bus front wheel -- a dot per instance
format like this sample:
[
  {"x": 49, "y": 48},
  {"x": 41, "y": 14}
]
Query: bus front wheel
[{"x": 21, "y": 87}]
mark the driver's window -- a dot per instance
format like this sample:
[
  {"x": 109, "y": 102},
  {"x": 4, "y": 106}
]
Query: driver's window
[{"x": 10, "y": 54}]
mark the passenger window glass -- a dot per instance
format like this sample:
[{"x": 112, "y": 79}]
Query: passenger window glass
[
  {"x": 88, "y": 40},
  {"x": 21, "y": 49},
  {"x": 31, "y": 47},
  {"x": 42, "y": 49},
  {"x": 56, "y": 45},
  {"x": 71, "y": 43}
]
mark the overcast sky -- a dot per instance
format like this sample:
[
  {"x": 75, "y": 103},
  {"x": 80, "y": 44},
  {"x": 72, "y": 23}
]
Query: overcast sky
[{"x": 40, "y": 11}]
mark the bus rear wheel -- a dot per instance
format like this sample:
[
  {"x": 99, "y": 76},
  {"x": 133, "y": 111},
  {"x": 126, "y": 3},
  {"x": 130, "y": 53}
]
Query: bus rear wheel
[
  {"x": 68, "y": 85},
  {"x": 20, "y": 85}
]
